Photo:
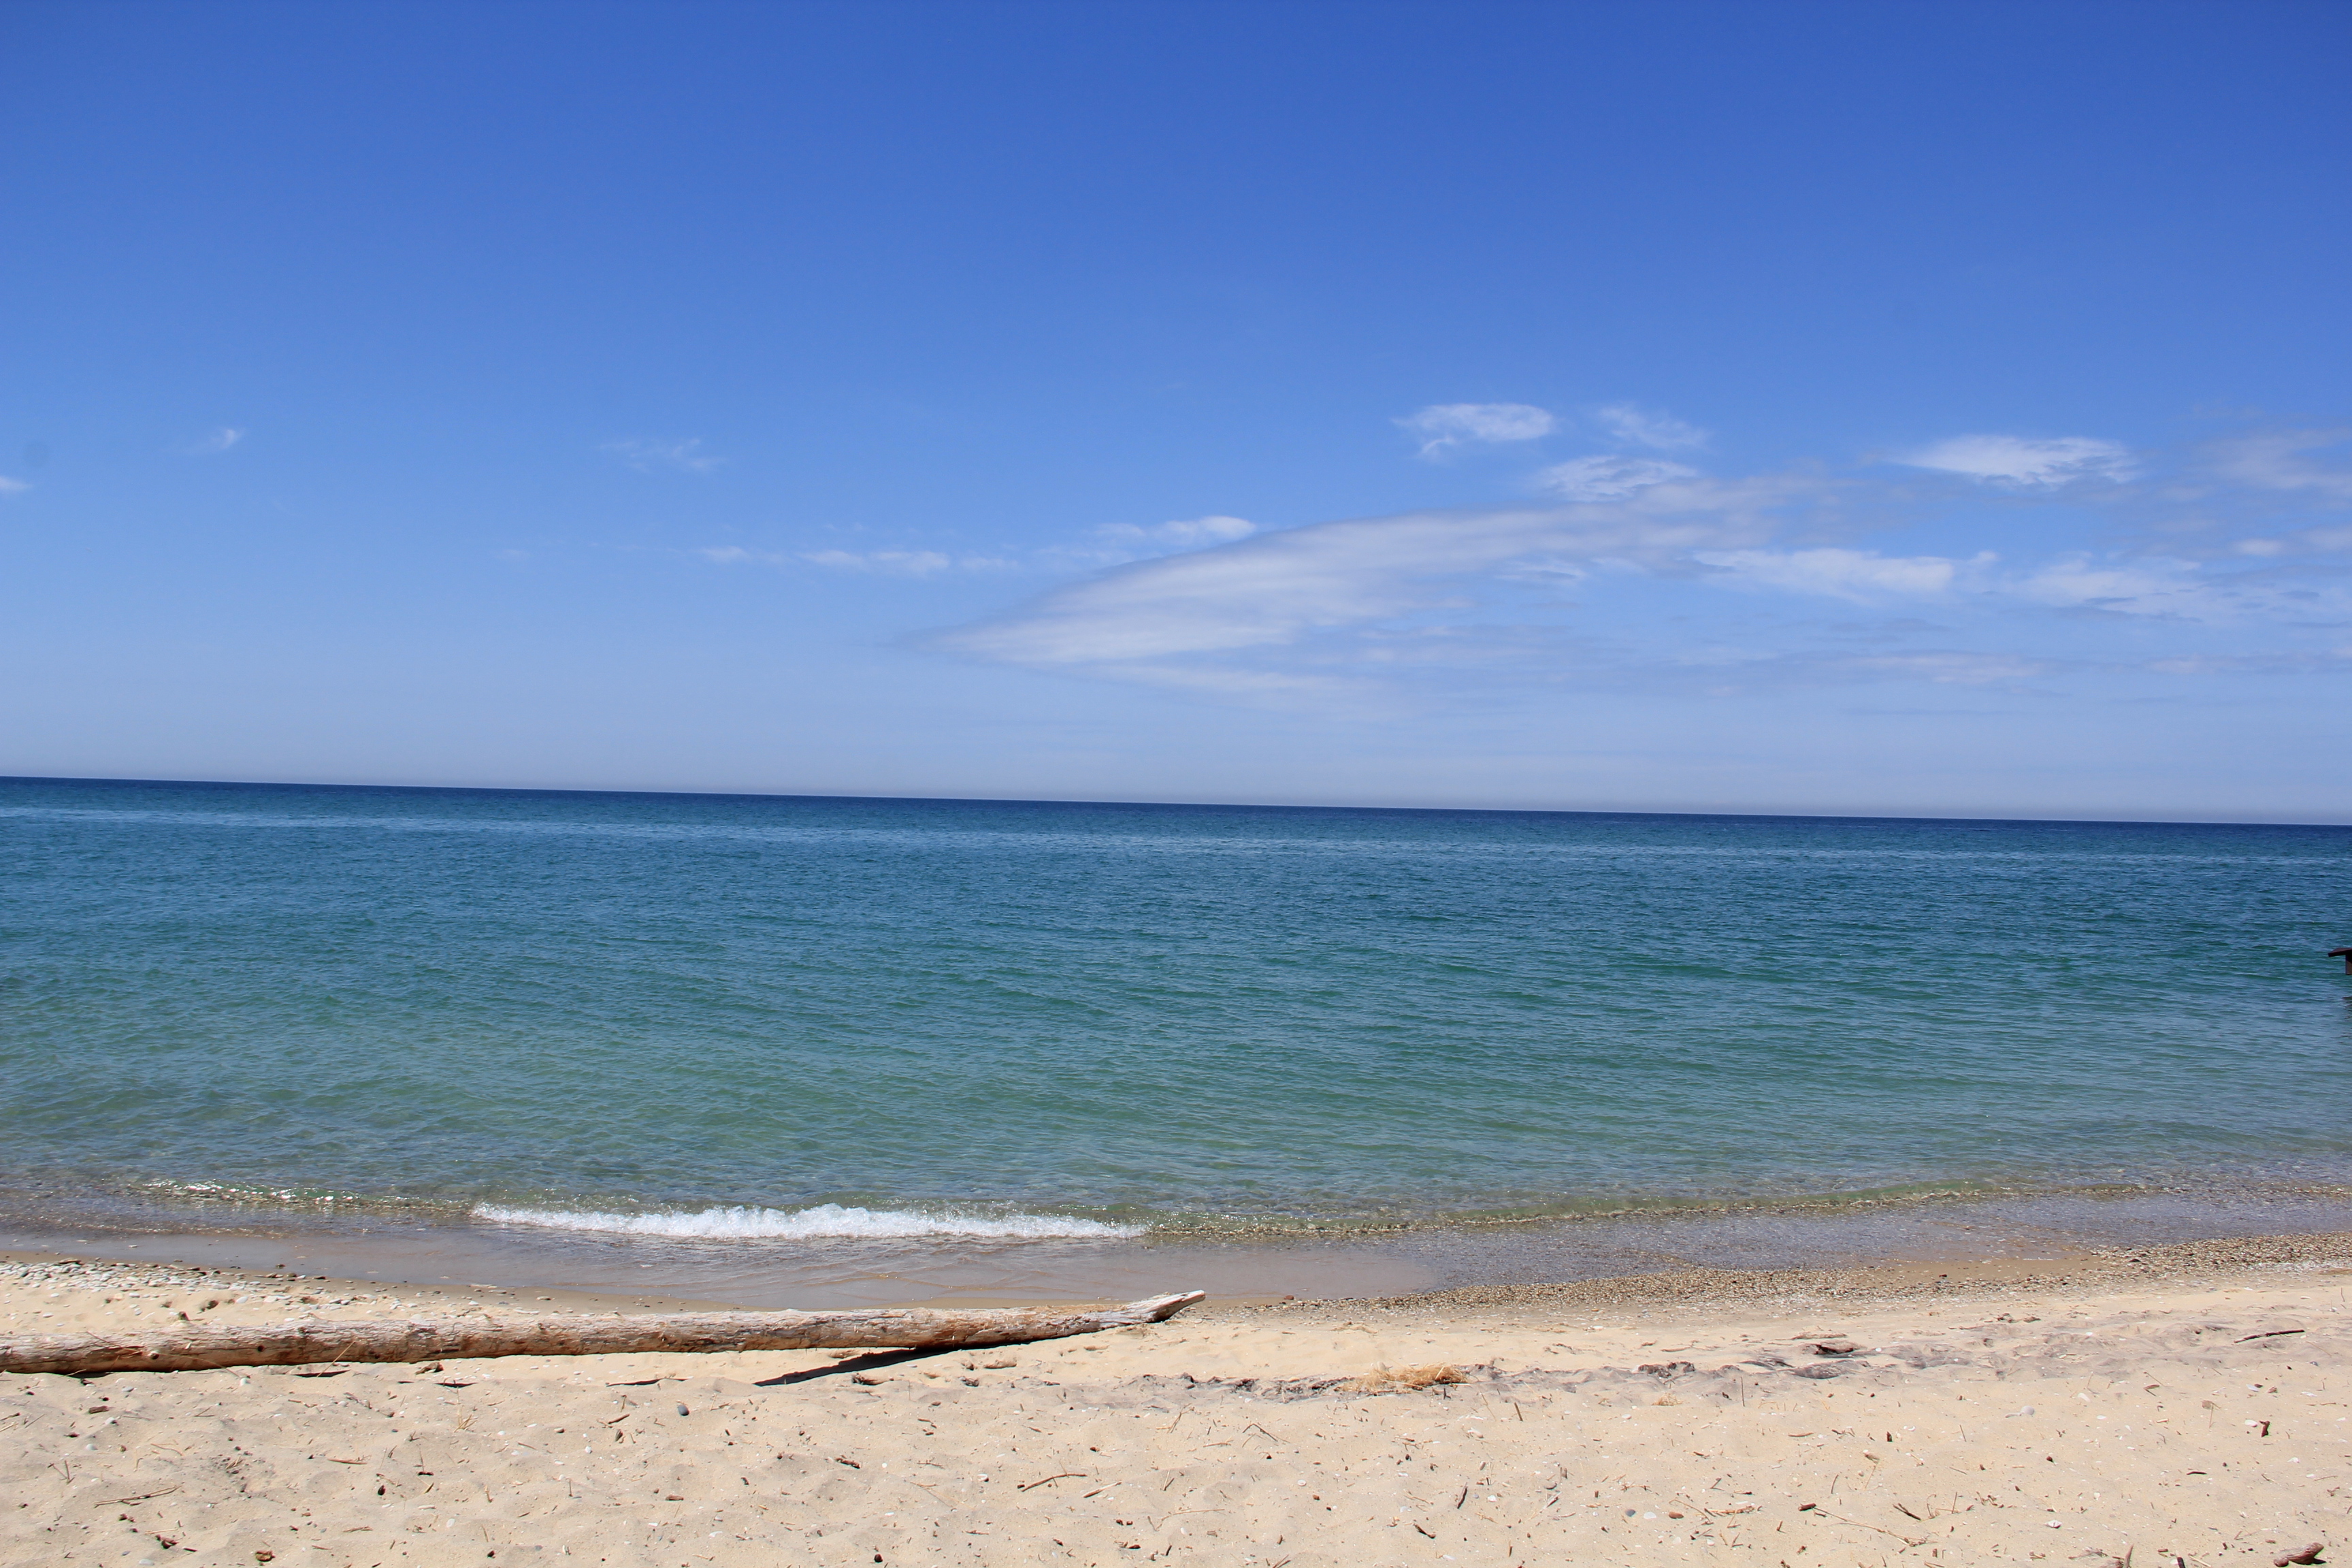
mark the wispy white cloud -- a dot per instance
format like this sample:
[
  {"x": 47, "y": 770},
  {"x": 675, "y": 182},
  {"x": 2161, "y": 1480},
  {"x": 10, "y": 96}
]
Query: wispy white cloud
[
  {"x": 1946, "y": 667},
  {"x": 2152, "y": 586},
  {"x": 10, "y": 487},
  {"x": 1863, "y": 576},
  {"x": 1638, "y": 427},
  {"x": 1607, "y": 477},
  {"x": 1116, "y": 543},
  {"x": 897, "y": 563},
  {"x": 211, "y": 444},
  {"x": 2297, "y": 661},
  {"x": 1112, "y": 544},
  {"x": 1442, "y": 426},
  {"x": 2278, "y": 460},
  {"x": 1276, "y": 589},
  {"x": 2024, "y": 460},
  {"x": 1186, "y": 535},
  {"x": 2147, "y": 586},
  {"x": 884, "y": 562},
  {"x": 1247, "y": 685},
  {"x": 681, "y": 454}
]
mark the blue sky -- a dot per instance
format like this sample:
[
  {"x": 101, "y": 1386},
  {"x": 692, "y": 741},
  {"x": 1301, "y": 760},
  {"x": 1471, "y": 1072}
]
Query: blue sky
[{"x": 1814, "y": 407}]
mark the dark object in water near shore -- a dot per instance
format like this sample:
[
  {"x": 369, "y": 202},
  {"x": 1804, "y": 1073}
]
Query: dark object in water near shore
[
  {"x": 2344, "y": 953},
  {"x": 433, "y": 1339}
]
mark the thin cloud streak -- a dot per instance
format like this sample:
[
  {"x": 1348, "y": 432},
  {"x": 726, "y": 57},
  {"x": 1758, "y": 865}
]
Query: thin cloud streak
[
  {"x": 1608, "y": 477},
  {"x": 1637, "y": 427},
  {"x": 1863, "y": 576},
  {"x": 1112, "y": 544},
  {"x": 2275, "y": 460},
  {"x": 1116, "y": 543},
  {"x": 213, "y": 445},
  {"x": 1277, "y": 588},
  {"x": 1446, "y": 425},
  {"x": 2021, "y": 461},
  {"x": 904, "y": 563},
  {"x": 885, "y": 562},
  {"x": 1189, "y": 534},
  {"x": 680, "y": 454}
]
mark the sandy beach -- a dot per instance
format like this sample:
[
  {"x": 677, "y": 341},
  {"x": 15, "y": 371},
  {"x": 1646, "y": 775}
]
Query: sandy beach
[{"x": 2178, "y": 1404}]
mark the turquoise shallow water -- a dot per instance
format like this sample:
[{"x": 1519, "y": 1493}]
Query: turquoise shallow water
[{"x": 789, "y": 1017}]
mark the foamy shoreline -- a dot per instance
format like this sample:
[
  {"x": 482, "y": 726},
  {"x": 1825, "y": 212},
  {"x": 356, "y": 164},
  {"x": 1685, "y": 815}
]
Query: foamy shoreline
[
  {"x": 829, "y": 1255},
  {"x": 2092, "y": 1409}
]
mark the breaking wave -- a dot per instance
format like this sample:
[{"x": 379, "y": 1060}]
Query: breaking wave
[{"x": 740, "y": 1223}]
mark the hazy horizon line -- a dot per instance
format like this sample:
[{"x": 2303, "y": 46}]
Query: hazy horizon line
[{"x": 1795, "y": 815}]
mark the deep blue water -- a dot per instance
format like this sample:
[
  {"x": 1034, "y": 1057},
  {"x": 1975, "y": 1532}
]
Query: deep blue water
[{"x": 635, "y": 1005}]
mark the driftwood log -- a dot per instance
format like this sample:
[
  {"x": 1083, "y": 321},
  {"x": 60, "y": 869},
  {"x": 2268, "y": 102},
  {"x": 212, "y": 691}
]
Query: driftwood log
[{"x": 439, "y": 1339}]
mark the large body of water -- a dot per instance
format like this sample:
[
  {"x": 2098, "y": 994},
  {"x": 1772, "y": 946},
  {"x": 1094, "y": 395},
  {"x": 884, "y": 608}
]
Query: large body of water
[{"x": 787, "y": 1026}]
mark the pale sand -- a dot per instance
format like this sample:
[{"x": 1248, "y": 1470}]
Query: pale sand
[{"x": 2118, "y": 1409}]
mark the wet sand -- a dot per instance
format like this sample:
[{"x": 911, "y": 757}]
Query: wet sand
[{"x": 2189, "y": 1402}]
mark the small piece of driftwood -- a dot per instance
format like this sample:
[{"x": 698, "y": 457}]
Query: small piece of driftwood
[{"x": 440, "y": 1339}]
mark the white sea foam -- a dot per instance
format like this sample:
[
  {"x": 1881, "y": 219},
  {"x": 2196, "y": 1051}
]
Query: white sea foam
[{"x": 823, "y": 1220}]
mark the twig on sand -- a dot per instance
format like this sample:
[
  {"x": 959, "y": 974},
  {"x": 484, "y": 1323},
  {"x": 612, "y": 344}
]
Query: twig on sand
[{"x": 1865, "y": 1524}]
